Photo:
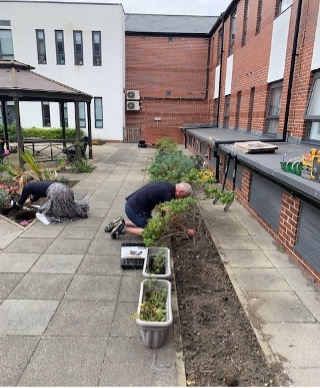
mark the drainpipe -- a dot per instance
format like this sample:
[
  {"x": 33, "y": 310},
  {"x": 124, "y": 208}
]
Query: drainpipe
[
  {"x": 220, "y": 75},
  {"x": 291, "y": 74}
]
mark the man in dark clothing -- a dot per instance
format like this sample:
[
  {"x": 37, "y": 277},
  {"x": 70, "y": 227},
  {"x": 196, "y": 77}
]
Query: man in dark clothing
[{"x": 140, "y": 204}]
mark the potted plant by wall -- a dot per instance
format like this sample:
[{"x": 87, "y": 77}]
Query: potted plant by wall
[
  {"x": 154, "y": 315},
  {"x": 157, "y": 263}
]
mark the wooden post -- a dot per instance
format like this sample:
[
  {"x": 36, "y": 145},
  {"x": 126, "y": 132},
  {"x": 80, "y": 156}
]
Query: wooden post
[
  {"x": 18, "y": 128},
  {"x": 77, "y": 139}
]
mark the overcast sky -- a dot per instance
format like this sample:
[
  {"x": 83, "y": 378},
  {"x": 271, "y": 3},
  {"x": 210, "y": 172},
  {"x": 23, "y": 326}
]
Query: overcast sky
[{"x": 165, "y": 7}]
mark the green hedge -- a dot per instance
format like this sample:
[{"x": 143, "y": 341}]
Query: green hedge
[{"x": 41, "y": 133}]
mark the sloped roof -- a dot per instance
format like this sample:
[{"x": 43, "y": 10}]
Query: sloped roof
[
  {"x": 169, "y": 24},
  {"x": 17, "y": 78}
]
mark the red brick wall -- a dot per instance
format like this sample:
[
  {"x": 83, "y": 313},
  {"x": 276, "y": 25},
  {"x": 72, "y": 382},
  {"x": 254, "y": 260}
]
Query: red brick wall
[{"x": 171, "y": 75}]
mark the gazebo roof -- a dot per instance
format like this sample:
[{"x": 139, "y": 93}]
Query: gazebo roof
[{"x": 18, "y": 79}]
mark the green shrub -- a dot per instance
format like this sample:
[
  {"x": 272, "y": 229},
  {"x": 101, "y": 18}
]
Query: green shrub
[
  {"x": 166, "y": 144},
  {"x": 81, "y": 166}
]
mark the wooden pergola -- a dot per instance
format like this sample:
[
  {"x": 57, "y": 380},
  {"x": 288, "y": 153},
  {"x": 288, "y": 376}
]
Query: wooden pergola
[{"x": 19, "y": 83}]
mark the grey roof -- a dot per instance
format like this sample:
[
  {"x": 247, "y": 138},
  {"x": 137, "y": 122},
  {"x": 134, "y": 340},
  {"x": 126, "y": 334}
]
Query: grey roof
[
  {"x": 169, "y": 24},
  {"x": 17, "y": 77}
]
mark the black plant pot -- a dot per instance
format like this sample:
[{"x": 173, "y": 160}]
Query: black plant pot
[{"x": 5, "y": 210}]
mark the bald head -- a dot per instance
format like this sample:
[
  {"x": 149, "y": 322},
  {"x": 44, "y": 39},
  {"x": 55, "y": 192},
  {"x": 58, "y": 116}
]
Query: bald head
[{"x": 183, "y": 190}]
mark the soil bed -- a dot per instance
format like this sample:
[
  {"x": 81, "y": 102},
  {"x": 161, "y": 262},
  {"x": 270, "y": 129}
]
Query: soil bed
[{"x": 219, "y": 345}]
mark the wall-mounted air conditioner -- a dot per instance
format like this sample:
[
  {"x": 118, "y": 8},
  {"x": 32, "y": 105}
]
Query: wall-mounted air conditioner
[
  {"x": 133, "y": 95},
  {"x": 133, "y": 105}
]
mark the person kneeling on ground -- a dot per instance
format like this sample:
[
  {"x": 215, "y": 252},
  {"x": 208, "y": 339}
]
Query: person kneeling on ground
[
  {"x": 140, "y": 204},
  {"x": 60, "y": 205}
]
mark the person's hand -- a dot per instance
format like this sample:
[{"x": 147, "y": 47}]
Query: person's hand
[
  {"x": 28, "y": 202},
  {"x": 190, "y": 232}
]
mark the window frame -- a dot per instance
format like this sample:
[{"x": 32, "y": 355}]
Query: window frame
[
  {"x": 61, "y": 58},
  {"x": 82, "y": 115},
  {"x": 6, "y": 54},
  {"x": 238, "y": 107},
  {"x": 219, "y": 47},
  {"x": 97, "y": 120},
  {"x": 273, "y": 118},
  {"x": 45, "y": 109},
  {"x": 96, "y": 58},
  {"x": 251, "y": 107},
  {"x": 78, "y": 57},
  {"x": 259, "y": 16},
  {"x": 226, "y": 111},
  {"x": 313, "y": 118},
  {"x": 41, "y": 47},
  {"x": 232, "y": 36},
  {"x": 245, "y": 23}
]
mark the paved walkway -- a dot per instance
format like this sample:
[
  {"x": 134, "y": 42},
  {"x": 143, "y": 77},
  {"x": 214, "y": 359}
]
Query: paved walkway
[{"x": 66, "y": 305}]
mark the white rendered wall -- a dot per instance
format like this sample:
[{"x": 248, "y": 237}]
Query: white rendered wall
[
  {"x": 106, "y": 81},
  {"x": 216, "y": 82},
  {"x": 316, "y": 52},
  {"x": 227, "y": 90},
  {"x": 279, "y": 46}
]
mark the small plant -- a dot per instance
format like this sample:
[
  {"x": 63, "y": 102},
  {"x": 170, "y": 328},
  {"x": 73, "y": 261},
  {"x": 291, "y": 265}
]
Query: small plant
[
  {"x": 81, "y": 166},
  {"x": 157, "y": 263},
  {"x": 5, "y": 199},
  {"x": 154, "y": 306},
  {"x": 166, "y": 144},
  {"x": 63, "y": 179}
]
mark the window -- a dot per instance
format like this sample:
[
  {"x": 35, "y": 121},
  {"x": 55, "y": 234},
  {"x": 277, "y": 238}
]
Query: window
[
  {"x": 238, "y": 110},
  {"x": 41, "y": 47},
  {"x": 226, "y": 111},
  {"x": 82, "y": 115},
  {"x": 219, "y": 53},
  {"x": 6, "y": 45},
  {"x": 46, "y": 122},
  {"x": 251, "y": 105},
  {"x": 232, "y": 31},
  {"x": 98, "y": 112},
  {"x": 65, "y": 112},
  {"x": 313, "y": 111},
  {"x": 96, "y": 48},
  {"x": 282, "y": 5},
  {"x": 60, "y": 47},
  {"x": 78, "y": 47},
  {"x": 245, "y": 22},
  {"x": 259, "y": 14},
  {"x": 273, "y": 110}
]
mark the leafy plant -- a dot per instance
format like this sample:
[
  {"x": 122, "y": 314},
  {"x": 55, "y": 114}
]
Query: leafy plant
[
  {"x": 5, "y": 199},
  {"x": 157, "y": 263},
  {"x": 166, "y": 144},
  {"x": 167, "y": 214},
  {"x": 153, "y": 308},
  {"x": 37, "y": 168},
  {"x": 81, "y": 166},
  {"x": 223, "y": 196}
]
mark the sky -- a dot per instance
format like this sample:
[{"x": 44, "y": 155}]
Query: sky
[{"x": 168, "y": 7}]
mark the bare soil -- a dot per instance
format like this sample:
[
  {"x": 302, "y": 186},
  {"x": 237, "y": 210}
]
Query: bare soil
[{"x": 220, "y": 347}]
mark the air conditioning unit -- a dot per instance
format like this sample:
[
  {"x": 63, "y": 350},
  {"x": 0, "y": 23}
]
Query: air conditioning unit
[
  {"x": 133, "y": 105},
  {"x": 133, "y": 95}
]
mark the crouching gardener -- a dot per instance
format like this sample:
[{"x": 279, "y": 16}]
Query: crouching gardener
[{"x": 140, "y": 204}]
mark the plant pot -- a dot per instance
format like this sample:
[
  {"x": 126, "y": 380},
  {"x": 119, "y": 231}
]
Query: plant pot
[
  {"x": 147, "y": 268},
  {"x": 153, "y": 333}
]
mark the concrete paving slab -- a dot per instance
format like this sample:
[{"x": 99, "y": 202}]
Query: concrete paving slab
[
  {"x": 295, "y": 344},
  {"x": 98, "y": 212},
  {"x": 260, "y": 279},
  {"x": 78, "y": 361},
  {"x": 8, "y": 281},
  {"x": 80, "y": 232},
  {"x": 57, "y": 263},
  {"x": 41, "y": 286},
  {"x": 41, "y": 231},
  {"x": 297, "y": 278},
  {"x": 25, "y": 317},
  {"x": 279, "y": 306},
  {"x": 265, "y": 242},
  {"x": 123, "y": 324},
  {"x": 311, "y": 300},
  {"x": 75, "y": 318},
  {"x": 304, "y": 377},
  {"x": 17, "y": 262},
  {"x": 69, "y": 246},
  {"x": 241, "y": 242},
  {"x": 15, "y": 354},
  {"x": 29, "y": 245},
  {"x": 280, "y": 259},
  {"x": 103, "y": 244},
  {"x": 141, "y": 366},
  {"x": 101, "y": 265},
  {"x": 94, "y": 287},
  {"x": 247, "y": 258},
  {"x": 130, "y": 287}
]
